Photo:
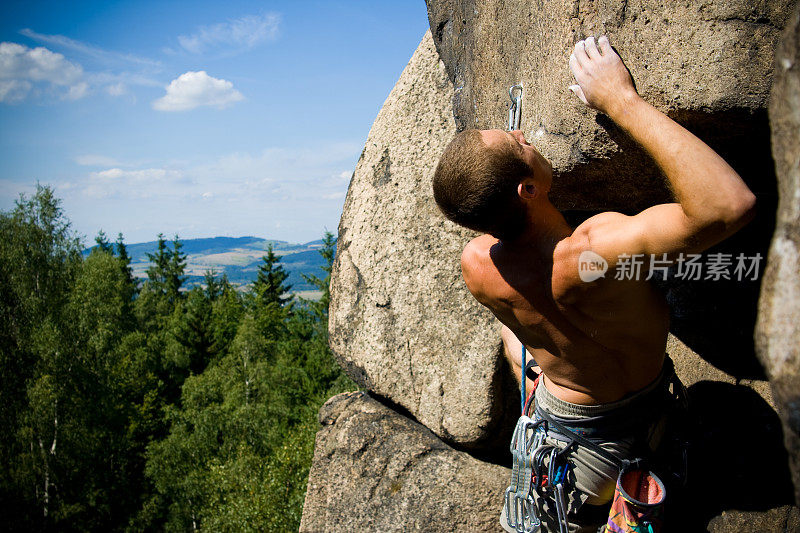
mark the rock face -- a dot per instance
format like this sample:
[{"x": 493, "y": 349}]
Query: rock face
[
  {"x": 708, "y": 64},
  {"x": 785, "y": 518},
  {"x": 375, "y": 470},
  {"x": 402, "y": 323},
  {"x": 778, "y": 329}
]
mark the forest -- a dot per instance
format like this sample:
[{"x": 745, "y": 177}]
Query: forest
[{"x": 129, "y": 406}]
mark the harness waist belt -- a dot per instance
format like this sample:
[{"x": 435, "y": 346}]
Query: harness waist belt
[{"x": 611, "y": 421}]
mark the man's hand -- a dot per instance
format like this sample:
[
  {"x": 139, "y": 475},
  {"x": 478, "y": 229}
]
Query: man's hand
[
  {"x": 713, "y": 201},
  {"x": 603, "y": 81}
]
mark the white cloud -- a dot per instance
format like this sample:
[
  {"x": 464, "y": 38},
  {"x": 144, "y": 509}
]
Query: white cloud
[
  {"x": 236, "y": 35},
  {"x": 195, "y": 89},
  {"x": 20, "y": 65},
  {"x": 147, "y": 175},
  {"x": 116, "y": 89},
  {"x": 36, "y": 64},
  {"x": 108, "y": 70},
  {"x": 136, "y": 184},
  {"x": 99, "y": 54},
  {"x": 274, "y": 174},
  {"x": 77, "y": 91},
  {"x": 302, "y": 189},
  {"x": 13, "y": 91}
]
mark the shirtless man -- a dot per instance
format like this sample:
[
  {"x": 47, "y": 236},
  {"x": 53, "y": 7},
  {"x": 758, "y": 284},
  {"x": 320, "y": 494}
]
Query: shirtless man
[{"x": 601, "y": 342}]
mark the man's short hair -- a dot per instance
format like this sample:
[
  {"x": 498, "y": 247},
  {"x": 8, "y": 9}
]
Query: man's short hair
[{"x": 476, "y": 185}]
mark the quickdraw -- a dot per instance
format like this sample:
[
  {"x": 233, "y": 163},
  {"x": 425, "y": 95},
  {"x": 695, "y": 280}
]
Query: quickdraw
[
  {"x": 515, "y": 107},
  {"x": 520, "y": 507}
]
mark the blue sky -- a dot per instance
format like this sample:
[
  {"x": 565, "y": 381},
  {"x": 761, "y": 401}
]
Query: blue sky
[{"x": 201, "y": 119}]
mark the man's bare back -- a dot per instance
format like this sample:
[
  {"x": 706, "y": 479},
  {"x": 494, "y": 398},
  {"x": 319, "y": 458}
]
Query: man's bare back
[
  {"x": 593, "y": 346},
  {"x": 598, "y": 341}
]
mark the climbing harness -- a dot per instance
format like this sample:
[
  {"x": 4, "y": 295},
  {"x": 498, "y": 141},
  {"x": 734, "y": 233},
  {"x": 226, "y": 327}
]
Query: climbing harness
[
  {"x": 515, "y": 107},
  {"x": 538, "y": 466}
]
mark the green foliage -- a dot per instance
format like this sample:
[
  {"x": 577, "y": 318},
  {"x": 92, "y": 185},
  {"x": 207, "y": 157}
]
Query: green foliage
[
  {"x": 328, "y": 251},
  {"x": 102, "y": 242},
  {"x": 177, "y": 266},
  {"x": 166, "y": 274},
  {"x": 125, "y": 265},
  {"x": 99, "y": 303},
  {"x": 193, "y": 331},
  {"x": 152, "y": 409},
  {"x": 269, "y": 286},
  {"x": 40, "y": 257},
  {"x": 157, "y": 273}
]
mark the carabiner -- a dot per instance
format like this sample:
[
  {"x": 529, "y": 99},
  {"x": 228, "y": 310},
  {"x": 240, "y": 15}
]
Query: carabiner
[{"x": 515, "y": 117}]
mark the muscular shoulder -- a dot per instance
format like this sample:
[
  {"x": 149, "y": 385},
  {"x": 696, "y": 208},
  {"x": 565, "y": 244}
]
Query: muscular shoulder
[
  {"x": 575, "y": 256},
  {"x": 599, "y": 227},
  {"x": 477, "y": 268}
]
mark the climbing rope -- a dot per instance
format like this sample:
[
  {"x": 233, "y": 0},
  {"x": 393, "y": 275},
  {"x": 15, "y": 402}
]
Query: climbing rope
[{"x": 523, "y": 379}]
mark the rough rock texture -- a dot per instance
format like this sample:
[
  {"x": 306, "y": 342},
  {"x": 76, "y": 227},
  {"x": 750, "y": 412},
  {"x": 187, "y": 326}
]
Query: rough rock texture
[
  {"x": 778, "y": 329},
  {"x": 786, "y": 518},
  {"x": 708, "y": 64},
  {"x": 693, "y": 369},
  {"x": 402, "y": 323},
  {"x": 376, "y": 470}
]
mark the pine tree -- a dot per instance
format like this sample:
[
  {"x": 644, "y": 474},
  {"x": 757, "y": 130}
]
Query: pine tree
[
  {"x": 226, "y": 313},
  {"x": 125, "y": 259},
  {"x": 166, "y": 272},
  {"x": 159, "y": 265},
  {"x": 130, "y": 286},
  {"x": 102, "y": 242},
  {"x": 213, "y": 285},
  {"x": 328, "y": 252},
  {"x": 175, "y": 270},
  {"x": 194, "y": 331},
  {"x": 269, "y": 286}
]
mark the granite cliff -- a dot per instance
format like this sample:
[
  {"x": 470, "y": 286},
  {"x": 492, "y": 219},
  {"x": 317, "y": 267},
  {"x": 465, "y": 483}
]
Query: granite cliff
[{"x": 426, "y": 447}]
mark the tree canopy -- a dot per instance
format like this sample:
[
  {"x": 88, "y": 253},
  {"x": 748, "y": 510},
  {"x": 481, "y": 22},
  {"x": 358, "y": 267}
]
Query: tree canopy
[{"x": 137, "y": 407}]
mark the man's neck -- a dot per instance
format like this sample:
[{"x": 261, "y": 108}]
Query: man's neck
[{"x": 545, "y": 227}]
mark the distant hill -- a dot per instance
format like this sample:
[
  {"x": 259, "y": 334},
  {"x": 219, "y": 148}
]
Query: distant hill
[{"x": 238, "y": 257}]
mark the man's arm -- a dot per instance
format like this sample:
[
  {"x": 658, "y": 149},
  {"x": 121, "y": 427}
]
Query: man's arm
[{"x": 713, "y": 201}]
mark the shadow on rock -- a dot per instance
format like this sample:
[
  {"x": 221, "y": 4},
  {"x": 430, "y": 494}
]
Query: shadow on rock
[
  {"x": 737, "y": 458},
  {"x": 716, "y": 318}
]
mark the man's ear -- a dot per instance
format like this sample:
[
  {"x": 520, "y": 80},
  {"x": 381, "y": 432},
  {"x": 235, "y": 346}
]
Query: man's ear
[{"x": 527, "y": 190}]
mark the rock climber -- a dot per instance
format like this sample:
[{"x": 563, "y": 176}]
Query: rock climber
[{"x": 599, "y": 341}]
